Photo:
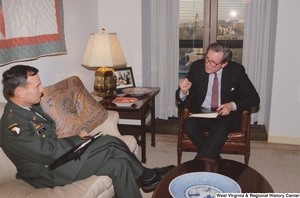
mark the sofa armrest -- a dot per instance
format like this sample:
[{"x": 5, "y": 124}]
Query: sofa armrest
[
  {"x": 110, "y": 126},
  {"x": 7, "y": 169}
]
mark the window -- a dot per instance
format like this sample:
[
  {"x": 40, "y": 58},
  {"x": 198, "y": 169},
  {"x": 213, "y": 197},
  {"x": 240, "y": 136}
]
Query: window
[
  {"x": 231, "y": 26},
  {"x": 191, "y": 32},
  {"x": 206, "y": 21}
]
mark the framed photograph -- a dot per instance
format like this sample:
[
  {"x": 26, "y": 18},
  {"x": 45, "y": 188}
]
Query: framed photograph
[{"x": 124, "y": 78}]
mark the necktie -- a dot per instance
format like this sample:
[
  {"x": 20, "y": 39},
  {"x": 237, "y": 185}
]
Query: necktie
[{"x": 214, "y": 95}]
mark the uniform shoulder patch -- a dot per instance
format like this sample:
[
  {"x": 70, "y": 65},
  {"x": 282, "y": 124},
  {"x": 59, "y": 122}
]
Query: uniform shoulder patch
[{"x": 14, "y": 128}]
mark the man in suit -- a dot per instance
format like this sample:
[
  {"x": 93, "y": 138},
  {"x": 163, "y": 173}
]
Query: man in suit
[
  {"x": 234, "y": 94},
  {"x": 28, "y": 138}
]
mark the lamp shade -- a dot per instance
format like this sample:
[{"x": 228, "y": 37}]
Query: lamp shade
[{"x": 103, "y": 50}]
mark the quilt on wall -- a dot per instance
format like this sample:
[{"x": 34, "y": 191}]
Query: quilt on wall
[{"x": 30, "y": 29}]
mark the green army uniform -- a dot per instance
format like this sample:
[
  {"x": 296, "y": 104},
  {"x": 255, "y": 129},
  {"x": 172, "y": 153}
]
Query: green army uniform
[{"x": 30, "y": 142}]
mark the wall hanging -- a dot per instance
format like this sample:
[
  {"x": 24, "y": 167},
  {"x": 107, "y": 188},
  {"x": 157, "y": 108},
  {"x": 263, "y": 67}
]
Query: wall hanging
[{"x": 30, "y": 29}]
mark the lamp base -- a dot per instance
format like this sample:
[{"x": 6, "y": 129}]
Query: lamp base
[
  {"x": 105, "y": 93},
  {"x": 105, "y": 83}
]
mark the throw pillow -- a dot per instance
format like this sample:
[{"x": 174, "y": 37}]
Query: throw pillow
[{"x": 72, "y": 107}]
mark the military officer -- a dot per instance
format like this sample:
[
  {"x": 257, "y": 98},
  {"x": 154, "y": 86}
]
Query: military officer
[{"x": 28, "y": 138}]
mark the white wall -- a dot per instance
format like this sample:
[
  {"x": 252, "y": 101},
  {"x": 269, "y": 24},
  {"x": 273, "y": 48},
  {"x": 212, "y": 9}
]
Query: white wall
[
  {"x": 125, "y": 19},
  {"x": 285, "y": 104},
  {"x": 146, "y": 42},
  {"x": 80, "y": 19}
]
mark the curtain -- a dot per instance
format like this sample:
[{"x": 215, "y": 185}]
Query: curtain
[
  {"x": 165, "y": 55},
  {"x": 259, "y": 51}
]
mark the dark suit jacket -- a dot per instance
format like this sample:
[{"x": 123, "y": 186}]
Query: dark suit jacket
[{"x": 235, "y": 86}]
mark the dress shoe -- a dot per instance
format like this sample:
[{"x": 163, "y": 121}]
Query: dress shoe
[{"x": 150, "y": 184}]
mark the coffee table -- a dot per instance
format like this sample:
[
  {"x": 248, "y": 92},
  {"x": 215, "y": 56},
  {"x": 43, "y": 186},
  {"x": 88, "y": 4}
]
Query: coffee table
[{"x": 249, "y": 179}]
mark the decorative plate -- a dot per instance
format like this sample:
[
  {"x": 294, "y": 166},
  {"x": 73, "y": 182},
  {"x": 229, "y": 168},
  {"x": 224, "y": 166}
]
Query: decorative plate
[
  {"x": 124, "y": 102},
  {"x": 135, "y": 91},
  {"x": 202, "y": 184}
]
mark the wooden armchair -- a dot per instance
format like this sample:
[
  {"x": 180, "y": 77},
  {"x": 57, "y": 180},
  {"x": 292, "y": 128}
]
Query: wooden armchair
[{"x": 238, "y": 142}]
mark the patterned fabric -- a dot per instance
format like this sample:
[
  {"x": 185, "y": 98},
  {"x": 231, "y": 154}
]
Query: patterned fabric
[
  {"x": 31, "y": 29},
  {"x": 72, "y": 107}
]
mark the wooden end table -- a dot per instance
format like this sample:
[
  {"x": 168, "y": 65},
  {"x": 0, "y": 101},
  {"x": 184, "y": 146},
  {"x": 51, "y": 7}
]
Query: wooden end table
[
  {"x": 133, "y": 119},
  {"x": 249, "y": 179}
]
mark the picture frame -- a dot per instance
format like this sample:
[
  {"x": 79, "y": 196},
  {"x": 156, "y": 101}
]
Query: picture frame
[{"x": 124, "y": 78}]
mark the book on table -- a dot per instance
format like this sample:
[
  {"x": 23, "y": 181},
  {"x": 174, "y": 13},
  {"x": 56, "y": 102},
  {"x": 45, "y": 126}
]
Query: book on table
[{"x": 203, "y": 113}]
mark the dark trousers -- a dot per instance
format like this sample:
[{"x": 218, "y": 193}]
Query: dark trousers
[
  {"x": 208, "y": 146},
  {"x": 111, "y": 156}
]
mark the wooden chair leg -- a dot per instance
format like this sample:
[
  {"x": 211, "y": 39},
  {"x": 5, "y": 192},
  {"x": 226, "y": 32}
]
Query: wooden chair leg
[
  {"x": 179, "y": 154},
  {"x": 247, "y": 158}
]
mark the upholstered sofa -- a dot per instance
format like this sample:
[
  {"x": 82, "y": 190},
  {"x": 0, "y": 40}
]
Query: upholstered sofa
[{"x": 92, "y": 187}]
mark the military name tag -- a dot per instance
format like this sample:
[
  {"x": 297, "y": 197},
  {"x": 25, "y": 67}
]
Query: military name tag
[{"x": 41, "y": 130}]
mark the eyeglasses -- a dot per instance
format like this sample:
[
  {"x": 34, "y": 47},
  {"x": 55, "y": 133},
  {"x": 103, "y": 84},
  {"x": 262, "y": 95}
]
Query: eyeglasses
[{"x": 211, "y": 62}]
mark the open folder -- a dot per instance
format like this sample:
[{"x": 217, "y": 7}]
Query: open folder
[
  {"x": 74, "y": 153},
  {"x": 205, "y": 114}
]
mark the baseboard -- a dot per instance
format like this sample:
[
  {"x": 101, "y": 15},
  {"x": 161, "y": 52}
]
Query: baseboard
[{"x": 284, "y": 140}]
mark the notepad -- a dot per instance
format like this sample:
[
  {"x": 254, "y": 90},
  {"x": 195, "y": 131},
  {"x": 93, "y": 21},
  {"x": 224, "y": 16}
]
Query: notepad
[{"x": 205, "y": 114}]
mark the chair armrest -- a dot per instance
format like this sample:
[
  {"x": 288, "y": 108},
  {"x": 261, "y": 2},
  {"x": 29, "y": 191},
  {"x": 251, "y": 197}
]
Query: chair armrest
[
  {"x": 185, "y": 106},
  {"x": 245, "y": 124},
  {"x": 110, "y": 126},
  {"x": 245, "y": 120}
]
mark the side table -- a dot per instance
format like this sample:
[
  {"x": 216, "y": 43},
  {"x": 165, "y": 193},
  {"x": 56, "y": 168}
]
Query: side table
[{"x": 133, "y": 118}]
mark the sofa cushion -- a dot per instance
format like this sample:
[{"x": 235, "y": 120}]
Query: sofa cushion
[{"x": 72, "y": 107}]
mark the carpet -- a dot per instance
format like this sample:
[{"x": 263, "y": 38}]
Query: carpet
[{"x": 278, "y": 163}]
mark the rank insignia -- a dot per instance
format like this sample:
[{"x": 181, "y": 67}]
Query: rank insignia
[
  {"x": 40, "y": 128},
  {"x": 14, "y": 128}
]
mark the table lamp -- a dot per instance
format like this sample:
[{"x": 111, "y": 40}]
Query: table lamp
[{"x": 103, "y": 52}]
